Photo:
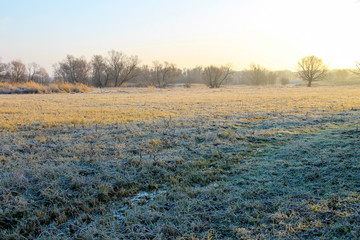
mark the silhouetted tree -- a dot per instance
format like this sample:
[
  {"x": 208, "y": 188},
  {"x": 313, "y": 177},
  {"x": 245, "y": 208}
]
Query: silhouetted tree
[
  {"x": 271, "y": 78},
  {"x": 256, "y": 75},
  {"x": 338, "y": 74},
  {"x": 146, "y": 75},
  {"x": 73, "y": 70},
  {"x": 122, "y": 68},
  {"x": 42, "y": 76},
  {"x": 215, "y": 76},
  {"x": 38, "y": 74},
  {"x": 4, "y": 72},
  {"x": 100, "y": 76},
  {"x": 17, "y": 71},
  {"x": 191, "y": 76},
  {"x": 284, "y": 81},
  {"x": 161, "y": 75},
  {"x": 33, "y": 68},
  {"x": 311, "y": 68}
]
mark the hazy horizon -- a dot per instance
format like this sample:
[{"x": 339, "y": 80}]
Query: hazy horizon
[{"x": 273, "y": 34}]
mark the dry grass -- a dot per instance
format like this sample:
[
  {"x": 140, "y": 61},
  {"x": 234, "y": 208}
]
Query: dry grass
[
  {"x": 32, "y": 88},
  {"x": 139, "y": 105},
  {"x": 240, "y": 163}
]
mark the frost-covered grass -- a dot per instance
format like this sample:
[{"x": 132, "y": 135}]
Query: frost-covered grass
[{"x": 250, "y": 163}]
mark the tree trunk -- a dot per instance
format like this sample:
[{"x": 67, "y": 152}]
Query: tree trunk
[{"x": 309, "y": 83}]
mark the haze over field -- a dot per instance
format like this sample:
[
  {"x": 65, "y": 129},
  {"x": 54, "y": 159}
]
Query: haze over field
[{"x": 275, "y": 34}]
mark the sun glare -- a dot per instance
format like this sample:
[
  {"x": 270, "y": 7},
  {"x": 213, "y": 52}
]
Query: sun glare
[{"x": 275, "y": 33}]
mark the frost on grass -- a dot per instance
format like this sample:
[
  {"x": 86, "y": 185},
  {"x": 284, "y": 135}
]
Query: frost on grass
[{"x": 231, "y": 163}]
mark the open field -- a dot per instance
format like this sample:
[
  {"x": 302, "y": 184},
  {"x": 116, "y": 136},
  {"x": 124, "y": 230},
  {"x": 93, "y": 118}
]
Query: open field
[{"x": 229, "y": 163}]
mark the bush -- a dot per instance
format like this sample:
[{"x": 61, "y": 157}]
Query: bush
[{"x": 284, "y": 81}]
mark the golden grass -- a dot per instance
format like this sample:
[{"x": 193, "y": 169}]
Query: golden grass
[
  {"x": 144, "y": 105},
  {"x": 32, "y": 87},
  {"x": 129, "y": 105}
]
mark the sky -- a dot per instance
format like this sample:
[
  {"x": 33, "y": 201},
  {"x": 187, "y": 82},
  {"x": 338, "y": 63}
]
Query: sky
[{"x": 273, "y": 33}]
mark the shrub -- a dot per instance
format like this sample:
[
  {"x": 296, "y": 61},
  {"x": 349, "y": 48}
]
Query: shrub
[{"x": 284, "y": 81}]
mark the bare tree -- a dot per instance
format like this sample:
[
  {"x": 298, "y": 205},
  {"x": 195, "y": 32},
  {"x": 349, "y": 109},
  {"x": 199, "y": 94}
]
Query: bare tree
[
  {"x": 33, "y": 69},
  {"x": 147, "y": 76},
  {"x": 73, "y": 70},
  {"x": 122, "y": 68},
  {"x": 339, "y": 74},
  {"x": 284, "y": 81},
  {"x": 99, "y": 71},
  {"x": 271, "y": 78},
  {"x": 256, "y": 75},
  {"x": 4, "y": 72},
  {"x": 130, "y": 70},
  {"x": 311, "y": 68},
  {"x": 161, "y": 75},
  {"x": 191, "y": 76},
  {"x": 17, "y": 71},
  {"x": 42, "y": 76},
  {"x": 38, "y": 74},
  {"x": 285, "y": 76},
  {"x": 115, "y": 63},
  {"x": 215, "y": 76}
]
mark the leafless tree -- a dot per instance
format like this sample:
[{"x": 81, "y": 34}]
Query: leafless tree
[
  {"x": 339, "y": 74},
  {"x": 130, "y": 70},
  {"x": 161, "y": 75},
  {"x": 42, "y": 76},
  {"x": 271, "y": 78},
  {"x": 4, "y": 72},
  {"x": 73, "y": 70},
  {"x": 33, "y": 69},
  {"x": 191, "y": 76},
  {"x": 122, "y": 68},
  {"x": 146, "y": 75},
  {"x": 311, "y": 68},
  {"x": 116, "y": 65},
  {"x": 256, "y": 75},
  {"x": 17, "y": 71},
  {"x": 215, "y": 76},
  {"x": 284, "y": 81},
  {"x": 100, "y": 76},
  {"x": 38, "y": 74}
]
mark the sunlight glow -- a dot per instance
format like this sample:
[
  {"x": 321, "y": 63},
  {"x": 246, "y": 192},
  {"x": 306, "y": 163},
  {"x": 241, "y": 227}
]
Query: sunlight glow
[{"x": 275, "y": 34}]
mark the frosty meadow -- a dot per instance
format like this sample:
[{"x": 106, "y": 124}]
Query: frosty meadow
[{"x": 199, "y": 163}]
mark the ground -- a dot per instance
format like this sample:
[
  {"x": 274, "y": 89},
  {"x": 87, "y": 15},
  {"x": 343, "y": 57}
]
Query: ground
[{"x": 229, "y": 163}]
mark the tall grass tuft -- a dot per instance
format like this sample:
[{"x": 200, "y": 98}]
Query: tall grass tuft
[{"x": 33, "y": 88}]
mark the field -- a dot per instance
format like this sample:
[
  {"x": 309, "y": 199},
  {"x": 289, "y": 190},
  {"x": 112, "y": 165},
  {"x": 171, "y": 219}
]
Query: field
[{"x": 228, "y": 163}]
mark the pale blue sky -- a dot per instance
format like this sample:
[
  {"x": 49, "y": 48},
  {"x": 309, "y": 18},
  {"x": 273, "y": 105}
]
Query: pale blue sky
[{"x": 274, "y": 33}]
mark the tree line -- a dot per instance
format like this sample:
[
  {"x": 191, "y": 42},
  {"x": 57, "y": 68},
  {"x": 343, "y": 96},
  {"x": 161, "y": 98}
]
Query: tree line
[
  {"x": 18, "y": 72},
  {"x": 116, "y": 68}
]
